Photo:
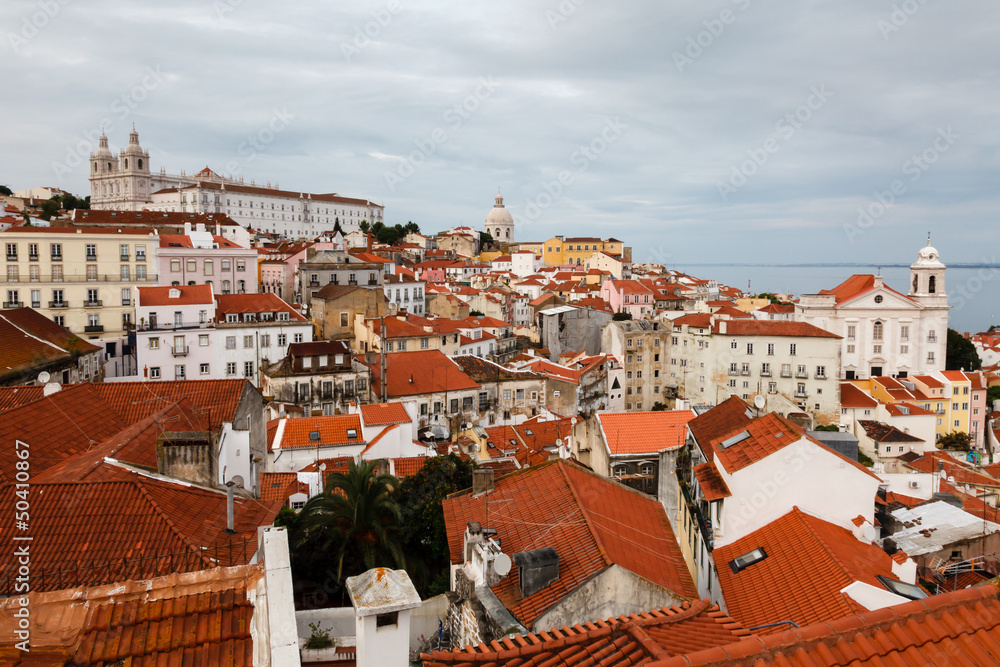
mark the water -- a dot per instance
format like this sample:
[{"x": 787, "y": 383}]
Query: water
[{"x": 973, "y": 293}]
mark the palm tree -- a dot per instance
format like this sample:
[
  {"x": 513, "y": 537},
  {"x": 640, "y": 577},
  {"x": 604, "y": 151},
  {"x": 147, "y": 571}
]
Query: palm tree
[{"x": 358, "y": 506}]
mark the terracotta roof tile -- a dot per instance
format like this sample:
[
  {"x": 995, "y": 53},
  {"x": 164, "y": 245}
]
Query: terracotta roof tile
[
  {"x": 960, "y": 629},
  {"x": 754, "y": 327},
  {"x": 330, "y": 430},
  {"x": 253, "y": 303},
  {"x": 200, "y": 618},
  {"x": 808, "y": 562},
  {"x": 856, "y": 286},
  {"x": 615, "y": 642},
  {"x": 881, "y": 432},
  {"x": 30, "y": 341},
  {"x": 421, "y": 372},
  {"x": 405, "y": 467},
  {"x": 728, "y": 416},
  {"x": 853, "y": 397},
  {"x": 713, "y": 487},
  {"x": 644, "y": 432},
  {"x": 186, "y": 295},
  {"x": 594, "y": 523},
  {"x": 383, "y": 414}
]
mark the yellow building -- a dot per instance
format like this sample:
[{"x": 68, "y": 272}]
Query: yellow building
[
  {"x": 80, "y": 277},
  {"x": 935, "y": 395},
  {"x": 561, "y": 251},
  {"x": 961, "y": 399}
]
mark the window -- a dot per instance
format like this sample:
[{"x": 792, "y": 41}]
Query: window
[
  {"x": 241, "y": 265},
  {"x": 265, "y": 340},
  {"x": 746, "y": 560},
  {"x": 11, "y": 252},
  {"x": 770, "y": 348},
  {"x": 32, "y": 251},
  {"x": 13, "y": 300},
  {"x": 140, "y": 253},
  {"x": 851, "y": 331},
  {"x": 91, "y": 251},
  {"x": 140, "y": 272},
  {"x": 154, "y": 373},
  {"x": 91, "y": 272},
  {"x": 297, "y": 338},
  {"x": 765, "y": 370},
  {"x": 179, "y": 372},
  {"x": 227, "y": 286},
  {"x": 231, "y": 368},
  {"x": 59, "y": 319},
  {"x": 126, "y": 296},
  {"x": 792, "y": 349},
  {"x": 248, "y": 369},
  {"x": 877, "y": 331},
  {"x": 154, "y": 343},
  {"x": 282, "y": 340},
  {"x": 56, "y": 251},
  {"x": 203, "y": 340},
  {"x": 821, "y": 372},
  {"x": 36, "y": 298},
  {"x": 175, "y": 265},
  {"x": 230, "y": 342},
  {"x": 904, "y": 332},
  {"x": 878, "y": 298},
  {"x": 125, "y": 273},
  {"x": 209, "y": 268},
  {"x": 749, "y": 348}
]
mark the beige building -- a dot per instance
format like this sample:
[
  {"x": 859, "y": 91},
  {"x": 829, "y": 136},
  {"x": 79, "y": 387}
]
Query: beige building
[
  {"x": 336, "y": 307},
  {"x": 448, "y": 306},
  {"x": 80, "y": 277}
]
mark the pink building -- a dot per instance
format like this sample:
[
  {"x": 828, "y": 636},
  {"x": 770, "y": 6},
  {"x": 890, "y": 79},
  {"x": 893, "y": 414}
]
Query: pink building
[
  {"x": 199, "y": 257},
  {"x": 628, "y": 296}
]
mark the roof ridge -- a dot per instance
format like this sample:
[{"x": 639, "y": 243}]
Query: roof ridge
[{"x": 801, "y": 516}]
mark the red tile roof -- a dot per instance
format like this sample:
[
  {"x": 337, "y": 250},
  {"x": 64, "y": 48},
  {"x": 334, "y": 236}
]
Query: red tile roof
[
  {"x": 617, "y": 642},
  {"x": 200, "y": 618},
  {"x": 217, "y": 399},
  {"x": 767, "y": 435},
  {"x": 383, "y": 414},
  {"x": 277, "y": 486},
  {"x": 730, "y": 415},
  {"x": 332, "y": 430},
  {"x": 405, "y": 467},
  {"x": 644, "y": 432},
  {"x": 856, "y": 286},
  {"x": 853, "y": 397},
  {"x": 808, "y": 562},
  {"x": 254, "y": 303},
  {"x": 78, "y": 525},
  {"x": 695, "y": 320},
  {"x": 754, "y": 327},
  {"x": 592, "y": 522},
  {"x": 30, "y": 342},
  {"x": 186, "y": 295},
  {"x": 713, "y": 487},
  {"x": 959, "y": 629},
  {"x": 961, "y": 472},
  {"x": 881, "y": 432},
  {"x": 421, "y": 372}
]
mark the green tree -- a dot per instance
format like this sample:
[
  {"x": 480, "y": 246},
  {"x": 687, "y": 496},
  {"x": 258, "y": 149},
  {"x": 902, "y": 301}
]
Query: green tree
[
  {"x": 954, "y": 440},
  {"x": 992, "y": 394},
  {"x": 770, "y": 297},
  {"x": 422, "y": 529},
  {"x": 364, "y": 226},
  {"x": 621, "y": 315},
  {"x": 659, "y": 407},
  {"x": 50, "y": 208},
  {"x": 960, "y": 353},
  {"x": 411, "y": 227},
  {"x": 485, "y": 239},
  {"x": 476, "y": 313},
  {"x": 358, "y": 507},
  {"x": 4, "y": 190}
]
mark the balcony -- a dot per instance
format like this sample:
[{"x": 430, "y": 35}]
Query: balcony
[
  {"x": 802, "y": 374},
  {"x": 77, "y": 278},
  {"x": 786, "y": 374},
  {"x": 745, "y": 371},
  {"x": 180, "y": 351},
  {"x": 734, "y": 371},
  {"x": 932, "y": 339},
  {"x": 801, "y": 394},
  {"x": 94, "y": 328},
  {"x": 313, "y": 283},
  {"x": 821, "y": 376},
  {"x": 12, "y": 258},
  {"x": 97, "y": 303},
  {"x": 765, "y": 372},
  {"x": 58, "y": 304},
  {"x": 12, "y": 304},
  {"x": 123, "y": 258},
  {"x": 91, "y": 258},
  {"x": 140, "y": 257},
  {"x": 352, "y": 282},
  {"x": 56, "y": 258},
  {"x": 32, "y": 258},
  {"x": 36, "y": 304}
]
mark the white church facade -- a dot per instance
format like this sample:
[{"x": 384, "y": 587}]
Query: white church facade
[
  {"x": 126, "y": 182},
  {"x": 499, "y": 222},
  {"x": 885, "y": 332}
]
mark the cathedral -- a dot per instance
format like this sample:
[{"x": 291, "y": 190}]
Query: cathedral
[
  {"x": 499, "y": 223},
  {"x": 125, "y": 182}
]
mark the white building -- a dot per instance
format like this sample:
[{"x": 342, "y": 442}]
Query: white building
[
  {"x": 188, "y": 332},
  {"x": 885, "y": 332},
  {"x": 405, "y": 292},
  {"x": 126, "y": 183}
]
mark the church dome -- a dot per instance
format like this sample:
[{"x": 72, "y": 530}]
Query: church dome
[
  {"x": 499, "y": 215},
  {"x": 499, "y": 222}
]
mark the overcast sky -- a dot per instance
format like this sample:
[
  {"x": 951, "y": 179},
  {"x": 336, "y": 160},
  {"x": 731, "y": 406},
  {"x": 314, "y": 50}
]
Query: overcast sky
[{"x": 729, "y": 130}]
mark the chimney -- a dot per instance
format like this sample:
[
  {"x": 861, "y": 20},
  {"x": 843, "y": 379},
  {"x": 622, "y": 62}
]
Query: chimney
[
  {"x": 382, "y": 600},
  {"x": 230, "y": 508},
  {"x": 274, "y": 619},
  {"x": 536, "y": 569},
  {"x": 482, "y": 480}
]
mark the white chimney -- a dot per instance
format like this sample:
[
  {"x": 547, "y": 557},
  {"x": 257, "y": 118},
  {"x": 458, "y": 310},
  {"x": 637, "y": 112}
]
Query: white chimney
[{"x": 382, "y": 600}]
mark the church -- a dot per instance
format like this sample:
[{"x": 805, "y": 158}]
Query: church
[
  {"x": 499, "y": 223},
  {"x": 126, "y": 182},
  {"x": 885, "y": 332}
]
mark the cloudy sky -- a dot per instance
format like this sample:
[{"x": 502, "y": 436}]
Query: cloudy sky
[{"x": 726, "y": 130}]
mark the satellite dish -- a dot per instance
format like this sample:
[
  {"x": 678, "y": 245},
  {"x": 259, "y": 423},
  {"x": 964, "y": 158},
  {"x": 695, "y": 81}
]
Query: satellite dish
[
  {"x": 501, "y": 565},
  {"x": 759, "y": 402},
  {"x": 43, "y": 377},
  {"x": 391, "y": 309}
]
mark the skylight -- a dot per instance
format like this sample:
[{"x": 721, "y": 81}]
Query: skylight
[
  {"x": 314, "y": 436},
  {"x": 527, "y": 431},
  {"x": 901, "y": 588},
  {"x": 352, "y": 434},
  {"x": 746, "y": 560},
  {"x": 736, "y": 439}
]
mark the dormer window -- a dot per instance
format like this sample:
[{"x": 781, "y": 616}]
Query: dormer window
[
  {"x": 174, "y": 293},
  {"x": 232, "y": 318}
]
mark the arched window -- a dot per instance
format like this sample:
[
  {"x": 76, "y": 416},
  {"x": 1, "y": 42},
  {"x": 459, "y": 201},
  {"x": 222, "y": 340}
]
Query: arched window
[
  {"x": 877, "y": 331},
  {"x": 109, "y": 166},
  {"x": 140, "y": 163},
  {"x": 95, "y": 167},
  {"x": 931, "y": 284},
  {"x": 508, "y": 233},
  {"x": 916, "y": 283},
  {"x": 126, "y": 163}
]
